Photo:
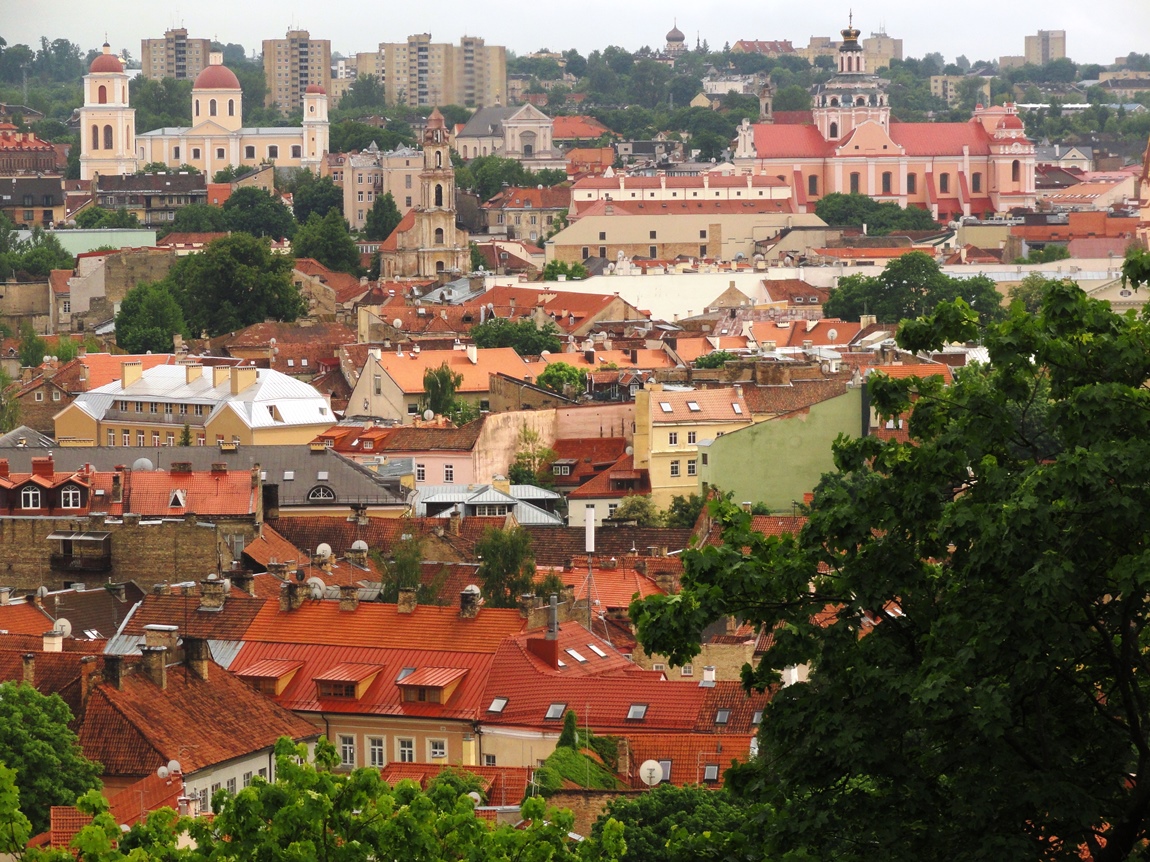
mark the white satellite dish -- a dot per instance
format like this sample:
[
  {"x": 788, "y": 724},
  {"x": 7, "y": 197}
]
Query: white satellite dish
[
  {"x": 650, "y": 772},
  {"x": 475, "y": 797},
  {"x": 428, "y": 414},
  {"x": 41, "y": 592},
  {"x": 317, "y": 587},
  {"x": 323, "y": 549},
  {"x": 397, "y": 323},
  {"x": 63, "y": 627}
]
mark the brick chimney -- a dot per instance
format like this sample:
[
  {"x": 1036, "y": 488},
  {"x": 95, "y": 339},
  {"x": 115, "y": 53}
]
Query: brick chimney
[
  {"x": 5, "y": 595},
  {"x": 357, "y": 556},
  {"x": 114, "y": 670},
  {"x": 454, "y": 521},
  {"x": 3, "y": 468},
  {"x": 29, "y": 668},
  {"x": 291, "y": 596},
  {"x": 197, "y": 656},
  {"x": 526, "y": 603},
  {"x": 88, "y": 677},
  {"x": 348, "y": 597},
  {"x": 469, "y": 602},
  {"x": 405, "y": 604},
  {"x": 43, "y": 467},
  {"x": 623, "y": 756},
  {"x": 155, "y": 665},
  {"x": 212, "y": 594},
  {"x": 243, "y": 580},
  {"x": 156, "y": 635}
]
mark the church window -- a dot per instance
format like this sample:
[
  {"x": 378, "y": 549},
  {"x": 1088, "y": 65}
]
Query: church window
[
  {"x": 438, "y": 159},
  {"x": 407, "y": 181},
  {"x": 1015, "y": 171},
  {"x": 854, "y": 183},
  {"x": 439, "y": 236},
  {"x": 860, "y": 102},
  {"x": 439, "y": 196},
  {"x": 95, "y": 137},
  {"x": 175, "y": 152},
  {"x": 812, "y": 185},
  {"x": 976, "y": 182},
  {"x": 219, "y": 152},
  {"x": 102, "y": 95},
  {"x": 107, "y": 137},
  {"x": 273, "y": 152},
  {"x": 195, "y": 153},
  {"x": 197, "y": 107},
  {"x": 911, "y": 184},
  {"x": 834, "y": 130},
  {"x": 886, "y": 180},
  {"x": 296, "y": 151},
  {"x": 943, "y": 183},
  {"x": 834, "y": 102},
  {"x": 249, "y": 152},
  {"x": 439, "y": 267},
  {"x": 231, "y": 107},
  {"x": 211, "y": 107}
]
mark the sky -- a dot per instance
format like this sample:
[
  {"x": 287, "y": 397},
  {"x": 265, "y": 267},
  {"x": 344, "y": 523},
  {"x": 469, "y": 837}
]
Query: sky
[{"x": 979, "y": 29}]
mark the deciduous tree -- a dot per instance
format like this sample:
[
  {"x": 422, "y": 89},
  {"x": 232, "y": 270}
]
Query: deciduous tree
[
  {"x": 506, "y": 567},
  {"x": 149, "y": 317},
  {"x": 382, "y": 218},
  {"x": 253, "y": 210},
  {"x": 327, "y": 240},
  {"x": 562, "y": 378},
  {"x": 523, "y": 336}
]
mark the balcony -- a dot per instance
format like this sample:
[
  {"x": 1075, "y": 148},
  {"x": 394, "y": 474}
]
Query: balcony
[{"x": 81, "y": 552}]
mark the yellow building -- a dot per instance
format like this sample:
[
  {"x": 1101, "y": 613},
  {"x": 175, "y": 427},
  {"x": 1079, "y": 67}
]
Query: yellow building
[
  {"x": 218, "y": 404},
  {"x": 292, "y": 66},
  {"x": 422, "y": 72},
  {"x": 670, "y": 425}
]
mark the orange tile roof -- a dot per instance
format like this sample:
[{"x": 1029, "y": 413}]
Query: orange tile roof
[
  {"x": 589, "y": 454},
  {"x": 576, "y": 126},
  {"x": 644, "y": 359},
  {"x": 651, "y": 208},
  {"x": 689, "y": 754},
  {"x": 24, "y": 618},
  {"x": 691, "y": 348},
  {"x": 405, "y": 224},
  {"x": 269, "y": 545},
  {"x": 407, "y": 370},
  {"x": 515, "y": 198},
  {"x": 571, "y": 310},
  {"x": 58, "y": 278},
  {"x": 614, "y": 588},
  {"x": 230, "y": 622},
  {"x": 714, "y": 405},
  {"x": 502, "y": 785},
  {"x": 204, "y": 493},
  {"x": 600, "y": 486},
  {"x": 923, "y": 369}
]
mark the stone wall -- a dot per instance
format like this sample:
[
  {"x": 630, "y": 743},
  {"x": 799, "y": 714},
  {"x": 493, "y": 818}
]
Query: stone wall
[{"x": 587, "y": 805}]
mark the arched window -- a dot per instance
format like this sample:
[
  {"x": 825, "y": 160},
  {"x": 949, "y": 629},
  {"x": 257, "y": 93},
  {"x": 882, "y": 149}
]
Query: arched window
[
  {"x": 30, "y": 498},
  {"x": 812, "y": 185},
  {"x": 886, "y": 182},
  {"x": 834, "y": 101},
  {"x": 439, "y": 196},
  {"x": 439, "y": 236},
  {"x": 1015, "y": 171},
  {"x": 834, "y": 130},
  {"x": 321, "y": 493},
  {"x": 438, "y": 159},
  {"x": 854, "y": 183},
  {"x": 439, "y": 266},
  {"x": 102, "y": 95},
  {"x": 95, "y": 137},
  {"x": 861, "y": 101},
  {"x": 70, "y": 497},
  {"x": 107, "y": 137},
  {"x": 231, "y": 107},
  {"x": 197, "y": 107},
  {"x": 211, "y": 107}
]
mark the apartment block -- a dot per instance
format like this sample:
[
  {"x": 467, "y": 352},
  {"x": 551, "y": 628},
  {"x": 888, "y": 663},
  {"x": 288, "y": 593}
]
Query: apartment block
[
  {"x": 174, "y": 56},
  {"x": 422, "y": 72},
  {"x": 292, "y": 64},
  {"x": 1044, "y": 46}
]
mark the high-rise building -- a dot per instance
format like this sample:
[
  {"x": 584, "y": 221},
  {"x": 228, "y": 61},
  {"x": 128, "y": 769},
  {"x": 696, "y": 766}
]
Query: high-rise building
[
  {"x": 174, "y": 56},
  {"x": 422, "y": 72},
  {"x": 1044, "y": 46},
  {"x": 292, "y": 64}
]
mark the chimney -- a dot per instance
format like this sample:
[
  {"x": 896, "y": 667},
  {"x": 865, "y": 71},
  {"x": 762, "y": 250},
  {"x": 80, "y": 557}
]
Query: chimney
[
  {"x": 193, "y": 371},
  {"x": 5, "y": 595},
  {"x": 197, "y": 656},
  {"x": 623, "y": 750},
  {"x": 453, "y": 522},
  {"x": 501, "y": 483},
  {"x": 405, "y": 604},
  {"x": 708, "y": 677},
  {"x": 162, "y": 589},
  {"x": 114, "y": 670},
  {"x": 117, "y": 487},
  {"x": 348, "y": 597},
  {"x": 3, "y": 468},
  {"x": 212, "y": 594},
  {"x": 526, "y": 603},
  {"x": 243, "y": 377},
  {"x": 553, "y": 619},
  {"x": 43, "y": 467},
  {"x": 220, "y": 374},
  {"x": 469, "y": 602},
  {"x": 243, "y": 580},
  {"x": 130, "y": 372},
  {"x": 291, "y": 596},
  {"x": 155, "y": 665},
  {"x": 358, "y": 556},
  {"x": 473, "y": 354},
  {"x": 277, "y": 569},
  {"x": 53, "y": 641},
  {"x": 87, "y": 677},
  {"x": 156, "y": 635},
  {"x": 30, "y": 669}
]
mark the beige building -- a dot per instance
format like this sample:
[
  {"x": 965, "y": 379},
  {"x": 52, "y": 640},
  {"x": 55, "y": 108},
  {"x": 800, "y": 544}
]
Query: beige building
[
  {"x": 947, "y": 88},
  {"x": 880, "y": 49},
  {"x": 422, "y": 72},
  {"x": 292, "y": 65},
  {"x": 670, "y": 425},
  {"x": 522, "y": 133},
  {"x": 244, "y": 405},
  {"x": 175, "y": 56},
  {"x": 372, "y": 173},
  {"x": 1044, "y": 46}
]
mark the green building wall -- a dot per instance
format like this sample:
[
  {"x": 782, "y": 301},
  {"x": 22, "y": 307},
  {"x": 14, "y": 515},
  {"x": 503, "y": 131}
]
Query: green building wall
[{"x": 778, "y": 461}]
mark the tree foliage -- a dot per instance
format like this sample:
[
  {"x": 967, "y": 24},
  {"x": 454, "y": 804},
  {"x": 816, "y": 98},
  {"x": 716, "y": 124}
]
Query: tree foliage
[
  {"x": 439, "y": 388},
  {"x": 33, "y": 348},
  {"x": 683, "y": 512},
  {"x": 383, "y": 218},
  {"x": 9, "y": 406},
  {"x": 568, "y": 269},
  {"x": 253, "y": 210},
  {"x": 1047, "y": 254},
  {"x": 506, "y": 567},
  {"x": 978, "y": 595},
  {"x": 97, "y": 217},
  {"x": 33, "y": 258},
  {"x": 312, "y": 194},
  {"x": 523, "y": 336},
  {"x": 199, "y": 218},
  {"x": 641, "y": 509},
  {"x": 327, "y": 240},
  {"x": 532, "y": 461},
  {"x": 910, "y": 285},
  {"x": 148, "y": 318},
  {"x": 880, "y": 218},
  {"x": 715, "y": 359},
  {"x": 1029, "y": 291},
  {"x": 561, "y": 378}
]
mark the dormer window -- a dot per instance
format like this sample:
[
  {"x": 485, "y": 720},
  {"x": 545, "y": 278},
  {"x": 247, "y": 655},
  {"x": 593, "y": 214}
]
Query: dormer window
[
  {"x": 30, "y": 498},
  {"x": 70, "y": 497},
  {"x": 177, "y": 500}
]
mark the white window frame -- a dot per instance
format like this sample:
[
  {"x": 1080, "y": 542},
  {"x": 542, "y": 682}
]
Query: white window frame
[
  {"x": 437, "y": 749},
  {"x": 375, "y": 752},
  {"x": 406, "y": 749},
  {"x": 347, "y": 750},
  {"x": 70, "y": 497},
  {"x": 675, "y": 469}
]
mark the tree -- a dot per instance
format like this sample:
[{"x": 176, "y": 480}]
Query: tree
[
  {"x": 254, "y": 210},
  {"x": 910, "y": 285},
  {"x": 1047, "y": 254},
  {"x": 403, "y": 569},
  {"x": 32, "y": 259},
  {"x": 199, "y": 218},
  {"x": 715, "y": 359},
  {"x": 640, "y": 509},
  {"x": 327, "y": 240},
  {"x": 557, "y": 376},
  {"x": 186, "y": 435},
  {"x": 15, "y": 828},
  {"x": 317, "y": 195},
  {"x": 994, "y": 563},
  {"x": 684, "y": 511},
  {"x": 522, "y": 335},
  {"x": 36, "y": 742},
  {"x": 569, "y": 737},
  {"x": 880, "y": 218},
  {"x": 1029, "y": 291},
  {"x": 382, "y": 218},
  {"x": 366, "y": 92},
  {"x": 532, "y": 459},
  {"x": 506, "y": 566},
  {"x": 439, "y": 385},
  {"x": 67, "y": 349},
  {"x": 234, "y": 282},
  {"x": 231, "y": 173},
  {"x": 33, "y": 348},
  {"x": 9, "y": 406},
  {"x": 94, "y": 217},
  {"x": 149, "y": 316},
  {"x": 571, "y": 270},
  {"x": 477, "y": 261},
  {"x": 791, "y": 98}
]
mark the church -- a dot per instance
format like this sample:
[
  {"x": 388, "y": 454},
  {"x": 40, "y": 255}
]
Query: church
[
  {"x": 217, "y": 138},
  {"x": 849, "y": 143}
]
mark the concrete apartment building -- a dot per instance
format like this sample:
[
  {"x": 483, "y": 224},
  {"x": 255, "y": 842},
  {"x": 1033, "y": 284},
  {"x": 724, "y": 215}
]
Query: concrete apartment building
[
  {"x": 422, "y": 72},
  {"x": 374, "y": 173},
  {"x": 1044, "y": 46},
  {"x": 292, "y": 64},
  {"x": 174, "y": 56}
]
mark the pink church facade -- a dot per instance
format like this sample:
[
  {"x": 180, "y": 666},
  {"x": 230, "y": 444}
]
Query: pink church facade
[{"x": 848, "y": 143}]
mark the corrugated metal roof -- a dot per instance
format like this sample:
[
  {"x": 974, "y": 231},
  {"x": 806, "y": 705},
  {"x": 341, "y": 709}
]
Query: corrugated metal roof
[
  {"x": 347, "y": 672},
  {"x": 270, "y": 668},
  {"x": 434, "y": 677}
]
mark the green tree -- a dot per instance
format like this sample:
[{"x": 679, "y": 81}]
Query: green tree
[
  {"x": 234, "y": 282},
  {"x": 1047, "y": 254},
  {"x": 232, "y": 173},
  {"x": 33, "y": 348},
  {"x": 477, "y": 261},
  {"x": 506, "y": 566},
  {"x": 327, "y": 240},
  {"x": 439, "y": 387},
  {"x": 640, "y": 509},
  {"x": 683, "y": 512},
  {"x": 382, "y": 218},
  {"x": 67, "y": 349},
  {"x": 402, "y": 570},
  {"x": 161, "y": 103},
  {"x": 569, "y": 737},
  {"x": 994, "y": 562},
  {"x": 15, "y": 828},
  {"x": 532, "y": 459},
  {"x": 94, "y": 217},
  {"x": 186, "y": 435},
  {"x": 256, "y": 211},
  {"x": 572, "y": 270},
  {"x": 9, "y": 406},
  {"x": 199, "y": 218},
  {"x": 715, "y": 359},
  {"x": 791, "y": 98},
  {"x": 558, "y": 376},
  {"x": 1029, "y": 291},
  {"x": 34, "y": 258},
  {"x": 36, "y": 742},
  {"x": 880, "y": 218},
  {"x": 522, "y": 335},
  {"x": 910, "y": 285},
  {"x": 366, "y": 92},
  {"x": 317, "y": 195},
  {"x": 148, "y": 318}
]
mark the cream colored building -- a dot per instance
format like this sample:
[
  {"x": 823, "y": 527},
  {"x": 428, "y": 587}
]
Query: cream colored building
[
  {"x": 219, "y": 404},
  {"x": 372, "y": 173},
  {"x": 1044, "y": 46},
  {"x": 422, "y": 72},
  {"x": 670, "y": 425},
  {"x": 174, "y": 56},
  {"x": 522, "y": 133},
  {"x": 292, "y": 65}
]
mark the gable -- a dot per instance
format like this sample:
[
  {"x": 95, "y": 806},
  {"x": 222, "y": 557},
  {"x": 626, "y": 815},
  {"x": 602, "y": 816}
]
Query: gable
[
  {"x": 869, "y": 138},
  {"x": 528, "y": 113}
]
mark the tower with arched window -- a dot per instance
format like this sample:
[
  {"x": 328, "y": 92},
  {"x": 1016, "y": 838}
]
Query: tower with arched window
[{"x": 107, "y": 123}]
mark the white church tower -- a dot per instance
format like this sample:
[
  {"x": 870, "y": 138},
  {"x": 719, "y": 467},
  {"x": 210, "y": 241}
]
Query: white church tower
[{"x": 107, "y": 123}]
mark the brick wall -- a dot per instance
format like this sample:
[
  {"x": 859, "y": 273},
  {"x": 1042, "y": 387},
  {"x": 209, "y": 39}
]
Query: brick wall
[{"x": 587, "y": 805}]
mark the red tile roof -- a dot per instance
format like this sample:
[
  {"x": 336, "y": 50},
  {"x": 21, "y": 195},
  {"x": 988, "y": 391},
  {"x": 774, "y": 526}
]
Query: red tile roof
[
  {"x": 407, "y": 370},
  {"x": 204, "y": 493},
  {"x": 689, "y": 754},
  {"x": 922, "y": 369},
  {"x": 346, "y": 287},
  {"x": 424, "y": 439},
  {"x": 601, "y": 485},
  {"x": 652, "y": 208},
  {"x": 938, "y": 139},
  {"x": 577, "y": 127},
  {"x": 589, "y": 454},
  {"x": 24, "y": 618},
  {"x": 780, "y": 400},
  {"x": 58, "y": 278},
  {"x": 713, "y": 405},
  {"x": 555, "y": 547},
  {"x": 614, "y": 588},
  {"x": 501, "y": 785},
  {"x": 405, "y": 224},
  {"x": 546, "y": 198}
]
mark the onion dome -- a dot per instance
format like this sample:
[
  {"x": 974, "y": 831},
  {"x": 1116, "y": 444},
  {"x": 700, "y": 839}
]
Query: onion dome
[
  {"x": 106, "y": 62},
  {"x": 216, "y": 78},
  {"x": 676, "y": 35}
]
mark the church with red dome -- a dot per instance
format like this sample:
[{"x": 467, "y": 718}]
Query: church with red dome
[{"x": 216, "y": 139}]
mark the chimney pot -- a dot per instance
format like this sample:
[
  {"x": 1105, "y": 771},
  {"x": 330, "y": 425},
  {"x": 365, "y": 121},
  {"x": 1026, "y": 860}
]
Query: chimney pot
[
  {"x": 348, "y": 597},
  {"x": 29, "y": 668},
  {"x": 212, "y": 595},
  {"x": 155, "y": 665},
  {"x": 405, "y": 603}
]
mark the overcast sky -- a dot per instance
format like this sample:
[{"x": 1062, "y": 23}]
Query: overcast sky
[{"x": 980, "y": 29}]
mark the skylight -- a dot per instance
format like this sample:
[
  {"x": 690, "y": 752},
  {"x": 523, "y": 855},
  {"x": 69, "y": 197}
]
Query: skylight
[
  {"x": 722, "y": 716},
  {"x": 596, "y": 650},
  {"x": 711, "y": 772},
  {"x": 666, "y": 406},
  {"x": 738, "y": 408},
  {"x": 637, "y": 712},
  {"x": 575, "y": 655},
  {"x": 497, "y": 704},
  {"x": 562, "y": 663},
  {"x": 556, "y": 710},
  {"x": 693, "y": 406},
  {"x": 757, "y": 717}
]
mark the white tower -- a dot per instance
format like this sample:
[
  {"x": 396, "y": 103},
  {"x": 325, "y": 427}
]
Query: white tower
[
  {"x": 315, "y": 127},
  {"x": 107, "y": 124}
]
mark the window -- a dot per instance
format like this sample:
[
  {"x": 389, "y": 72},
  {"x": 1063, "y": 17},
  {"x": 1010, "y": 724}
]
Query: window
[
  {"x": 439, "y": 196},
  {"x": 674, "y": 469},
  {"x": 111, "y": 437},
  {"x": 232, "y": 786},
  {"x": 195, "y": 153},
  {"x": 693, "y": 406},
  {"x": 30, "y": 498},
  {"x": 586, "y": 252},
  {"x": 198, "y": 409},
  {"x": 738, "y": 408},
  {"x": 497, "y": 704},
  {"x": 67, "y": 306},
  {"x": 687, "y": 670},
  {"x": 407, "y": 181},
  {"x": 126, "y": 438},
  {"x": 95, "y": 137},
  {"x": 407, "y": 751},
  {"x": 637, "y": 712},
  {"x": 153, "y": 407},
  {"x": 231, "y": 107},
  {"x": 420, "y": 472},
  {"x": 325, "y": 688},
  {"x": 155, "y": 438},
  {"x": 211, "y": 107},
  {"x": 711, "y": 772},
  {"x": 247, "y": 779},
  {"x": 140, "y": 437},
  {"x": 812, "y": 185},
  {"x": 296, "y": 151},
  {"x": 448, "y": 474},
  {"x": 652, "y": 251},
  {"x": 943, "y": 183},
  {"x": 976, "y": 182},
  {"x": 273, "y": 152},
  {"x": 692, "y": 468},
  {"x": 658, "y": 666},
  {"x": 602, "y": 235},
  {"x": 665, "y": 765},
  {"x": 107, "y": 137},
  {"x": 220, "y": 153},
  {"x": 834, "y": 131},
  {"x": 39, "y": 395},
  {"x": 438, "y": 749},
  {"x": 555, "y": 711},
  {"x": 407, "y": 201},
  {"x": 359, "y": 197},
  {"x": 375, "y": 751},
  {"x": 249, "y": 152},
  {"x": 886, "y": 182},
  {"x": 666, "y": 407},
  {"x": 183, "y": 410},
  {"x": 489, "y": 760},
  {"x": 673, "y": 438},
  {"x": 346, "y": 750},
  {"x": 911, "y": 183},
  {"x": 175, "y": 152},
  {"x": 439, "y": 236},
  {"x": 702, "y": 251},
  {"x": 170, "y": 440},
  {"x": 575, "y": 654},
  {"x": 854, "y": 183},
  {"x": 722, "y": 716},
  {"x": 1015, "y": 171},
  {"x": 691, "y": 437},
  {"x": 757, "y": 718},
  {"x": 321, "y": 493},
  {"x": 611, "y": 507},
  {"x": 139, "y": 406}
]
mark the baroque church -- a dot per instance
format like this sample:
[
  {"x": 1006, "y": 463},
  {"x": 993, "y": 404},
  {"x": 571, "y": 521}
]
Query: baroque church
[
  {"x": 849, "y": 143},
  {"x": 216, "y": 139}
]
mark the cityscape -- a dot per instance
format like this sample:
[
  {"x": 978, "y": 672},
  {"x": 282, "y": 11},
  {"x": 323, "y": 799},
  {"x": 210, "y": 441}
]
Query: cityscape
[{"x": 443, "y": 452}]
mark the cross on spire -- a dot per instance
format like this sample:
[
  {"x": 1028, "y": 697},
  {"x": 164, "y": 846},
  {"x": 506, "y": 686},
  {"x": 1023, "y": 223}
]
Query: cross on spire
[{"x": 851, "y": 18}]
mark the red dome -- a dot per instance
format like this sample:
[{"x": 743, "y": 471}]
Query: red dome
[
  {"x": 106, "y": 63},
  {"x": 316, "y": 88},
  {"x": 216, "y": 78},
  {"x": 1010, "y": 121}
]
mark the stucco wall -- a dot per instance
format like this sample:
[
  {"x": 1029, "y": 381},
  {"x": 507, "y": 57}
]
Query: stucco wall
[
  {"x": 499, "y": 440},
  {"x": 596, "y": 420}
]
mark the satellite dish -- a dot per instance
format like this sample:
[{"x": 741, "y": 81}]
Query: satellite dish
[
  {"x": 323, "y": 549},
  {"x": 63, "y": 627},
  {"x": 359, "y": 545},
  {"x": 174, "y": 767},
  {"x": 428, "y": 414},
  {"x": 317, "y": 587},
  {"x": 299, "y": 575},
  {"x": 41, "y": 592},
  {"x": 630, "y": 450},
  {"x": 650, "y": 772},
  {"x": 162, "y": 772},
  {"x": 545, "y": 353},
  {"x": 397, "y": 323},
  {"x": 227, "y": 585},
  {"x": 475, "y": 797}
]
